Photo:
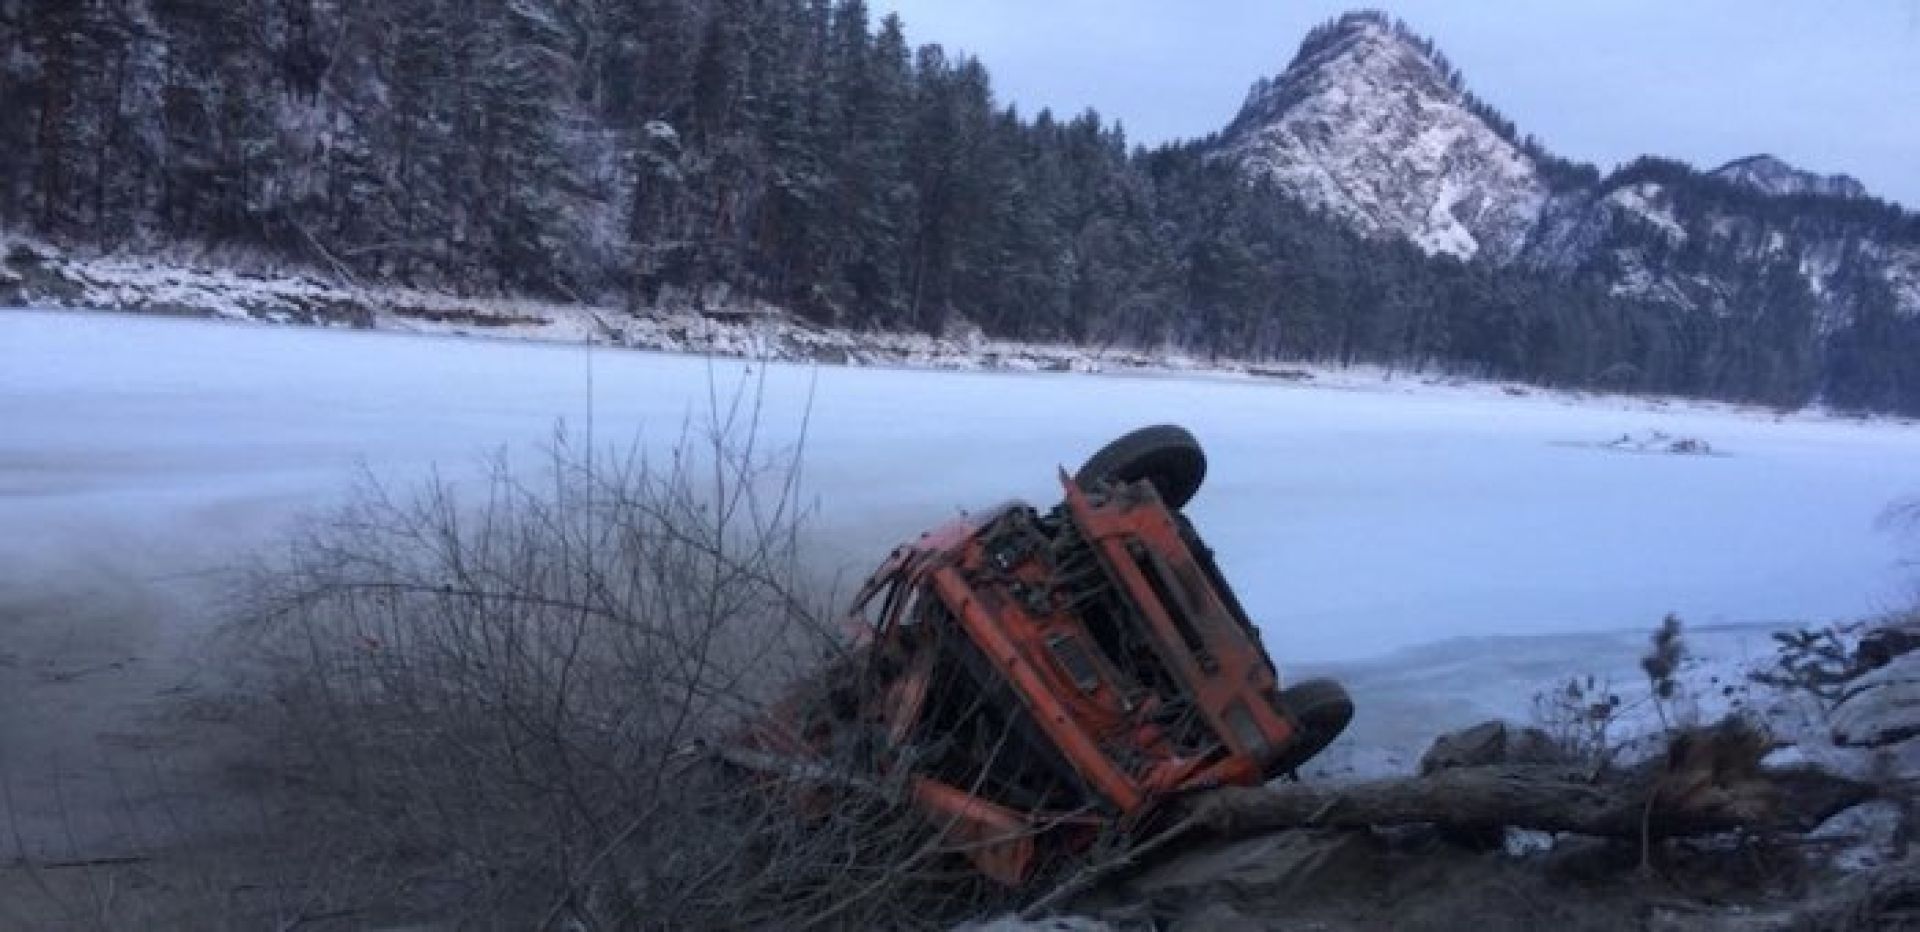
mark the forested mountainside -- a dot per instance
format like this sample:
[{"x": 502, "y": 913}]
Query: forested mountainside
[
  {"x": 709, "y": 152},
  {"x": 1776, "y": 283}
]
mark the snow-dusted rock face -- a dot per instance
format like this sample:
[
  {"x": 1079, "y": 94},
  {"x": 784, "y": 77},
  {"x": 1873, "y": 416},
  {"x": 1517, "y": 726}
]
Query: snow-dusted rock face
[
  {"x": 1769, "y": 175},
  {"x": 1633, "y": 231},
  {"x": 1369, "y": 127}
]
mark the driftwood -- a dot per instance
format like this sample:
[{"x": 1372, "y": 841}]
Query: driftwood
[{"x": 1709, "y": 781}]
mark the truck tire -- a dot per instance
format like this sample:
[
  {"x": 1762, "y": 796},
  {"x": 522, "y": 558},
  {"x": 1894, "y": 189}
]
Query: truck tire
[
  {"x": 1322, "y": 709},
  {"x": 1165, "y": 455}
]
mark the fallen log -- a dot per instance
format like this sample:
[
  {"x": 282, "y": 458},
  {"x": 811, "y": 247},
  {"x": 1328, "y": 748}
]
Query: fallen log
[{"x": 1710, "y": 781}]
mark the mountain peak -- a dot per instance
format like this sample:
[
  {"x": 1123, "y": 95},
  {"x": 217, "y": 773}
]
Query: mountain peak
[
  {"x": 1345, "y": 28},
  {"x": 1339, "y": 34},
  {"x": 1771, "y": 175},
  {"x": 1370, "y": 122},
  {"x": 1364, "y": 40}
]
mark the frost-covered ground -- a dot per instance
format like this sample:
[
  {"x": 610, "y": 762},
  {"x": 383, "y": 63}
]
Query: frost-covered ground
[{"x": 1360, "y": 517}]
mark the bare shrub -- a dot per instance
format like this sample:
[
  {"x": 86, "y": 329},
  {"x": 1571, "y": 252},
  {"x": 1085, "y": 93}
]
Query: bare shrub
[
  {"x": 491, "y": 699},
  {"x": 1581, "y": 716},
  {"x": 1661, "y": 664},
  {"x": 1814, "y": 662},
  {"x": 1592, "y": 723}
]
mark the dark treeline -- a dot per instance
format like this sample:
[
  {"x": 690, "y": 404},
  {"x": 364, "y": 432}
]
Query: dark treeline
[{"x": 701, "y": 152}]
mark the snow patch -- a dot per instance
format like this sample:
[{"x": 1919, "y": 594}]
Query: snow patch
[
  {"x": 1647, "y": 203},
  {"x": 1520, "y": 842}
]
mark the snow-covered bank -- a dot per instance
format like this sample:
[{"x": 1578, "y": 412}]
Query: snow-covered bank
[{"x": 35, "y": 275}]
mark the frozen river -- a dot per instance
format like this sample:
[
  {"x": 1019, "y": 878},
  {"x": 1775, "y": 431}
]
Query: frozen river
[
  {"x": 1354, "y": 521},
  {"x": 136, "y": 454}
]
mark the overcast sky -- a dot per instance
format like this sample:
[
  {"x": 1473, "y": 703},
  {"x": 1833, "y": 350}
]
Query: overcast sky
[{"x": 1829, "y": 85}]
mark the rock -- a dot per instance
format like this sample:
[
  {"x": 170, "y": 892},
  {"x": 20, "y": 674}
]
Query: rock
[
  {"x": 1729, "y": 919},
  {"x": 1879, "y": 647},
  {"x": 1257, "y": 873},
  {"x": 1582, "y": 859},
  {"x": 1488, "y": 743},
  {"x": 1280, "y": 372},
  {"x": 1874, "y": 898},
  {"x": 1049, "y": 924},
  {"x": 26, "y": 254},
  {"x": 1880, "y": 707},
  {"x": 1787, "y": 755},
  {"x": 1655, "y": 441},
  {"x": 1866, "y": 836},
  {"x": 1218, "y": 917}
]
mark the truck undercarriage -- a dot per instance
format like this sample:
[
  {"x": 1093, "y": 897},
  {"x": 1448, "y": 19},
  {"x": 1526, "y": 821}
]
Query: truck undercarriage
[{"x": 1038, "y": 682}]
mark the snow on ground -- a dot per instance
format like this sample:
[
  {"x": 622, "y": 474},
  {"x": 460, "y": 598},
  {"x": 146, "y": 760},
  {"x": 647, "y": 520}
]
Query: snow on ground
[{"x": 1359, "y": 517}]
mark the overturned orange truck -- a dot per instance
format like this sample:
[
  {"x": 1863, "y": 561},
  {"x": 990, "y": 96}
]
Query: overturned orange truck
[{"x": 1033, "y": 681}]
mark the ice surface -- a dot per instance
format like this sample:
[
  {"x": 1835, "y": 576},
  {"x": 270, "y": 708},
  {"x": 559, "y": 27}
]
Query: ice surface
[
  {"x": 1407, "y": 697},
  {"x": 1358, "y": 517},
  {"x": 1353, "y": 522}
]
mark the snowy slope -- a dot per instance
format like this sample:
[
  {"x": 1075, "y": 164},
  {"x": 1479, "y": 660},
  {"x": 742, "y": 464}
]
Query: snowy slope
[{"x": 1366, "y": 126}]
